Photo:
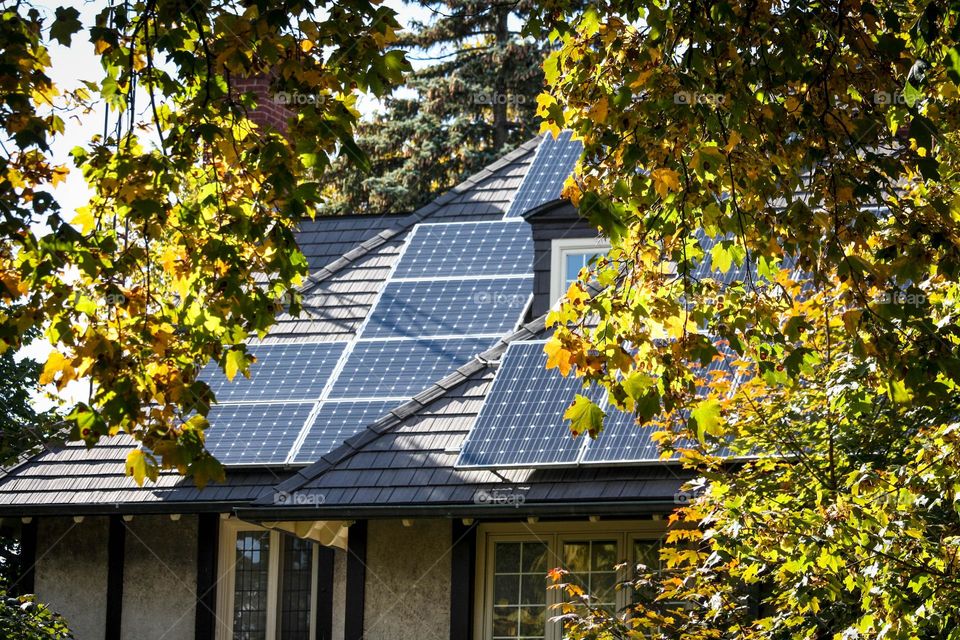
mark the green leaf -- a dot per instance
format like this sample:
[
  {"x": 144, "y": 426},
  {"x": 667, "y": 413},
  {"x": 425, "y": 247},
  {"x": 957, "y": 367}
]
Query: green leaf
[
  {"x": 911, "y": 94},
  {"x": 65, "y": 24},
  {"x": 584, "y": 416},
  {"x": 706, "y": 417},
  {"x": 235, "y": 361}
]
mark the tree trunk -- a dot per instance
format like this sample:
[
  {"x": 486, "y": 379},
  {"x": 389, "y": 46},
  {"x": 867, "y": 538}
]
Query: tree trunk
[{"x": 500, "y": 121}]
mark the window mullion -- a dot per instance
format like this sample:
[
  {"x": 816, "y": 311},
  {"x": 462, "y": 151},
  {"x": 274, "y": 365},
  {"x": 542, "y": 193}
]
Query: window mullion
[{"x": 273, "y": 584}]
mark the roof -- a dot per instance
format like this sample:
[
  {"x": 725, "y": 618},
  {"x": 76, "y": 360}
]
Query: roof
[
  {"x": 405, "y": 464},
  {"x": 350, "y": 259}
]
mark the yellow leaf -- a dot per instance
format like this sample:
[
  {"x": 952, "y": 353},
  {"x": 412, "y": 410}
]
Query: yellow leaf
[
  {"x": 60, "y": 174},
  {"x": 100, "y": 46},
  {"x": 140, "y": 466},
  {"x": 56, "y": 363},
  {"x": 306, "y": 45},
  {"x": 558, "y": 357},
  {"x": 732, "y": 140},
  {"x": 598, "y": 112},
  {"x": 236, "y": 361},
  {"x": 84, "y": 219},
  {"x": 665, "y": 180},
  {"x": 576, "y": 295}
]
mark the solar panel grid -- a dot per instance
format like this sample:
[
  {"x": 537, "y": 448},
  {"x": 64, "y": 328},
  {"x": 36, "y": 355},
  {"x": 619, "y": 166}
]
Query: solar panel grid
[
  {"x": 449, "y": 308},
  {"x": 520, "y": 423},
  {"x": 399, "y": 369},
  {"x": 255, "y": 433},
  {"x": 282, "y": 372},
  {"x": 467, "y": 249},
  {"x": 334, "y": 422},
  {"x": 553, "y": 163}
]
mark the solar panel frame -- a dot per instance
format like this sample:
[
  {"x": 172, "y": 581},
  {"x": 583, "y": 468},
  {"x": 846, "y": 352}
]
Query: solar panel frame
[
  {"x": 467, "y": 249},
  {"x": 553, "y": 162}
]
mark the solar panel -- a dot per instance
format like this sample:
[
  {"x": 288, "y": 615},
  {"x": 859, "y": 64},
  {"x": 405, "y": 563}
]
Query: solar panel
[
  {"x": 402, "y": 368},
  {"x": 255, "y": 433},
  {"x": 521, "y": 422},
  {"x": 622, "y": 440},
  {"x": 289, "y": 372},
  {"x": 449, "y": 308},
  {"x": 467, "y": 249},
  {"x": 337, "y": 421},
  {"x": 552, "y": 164}
]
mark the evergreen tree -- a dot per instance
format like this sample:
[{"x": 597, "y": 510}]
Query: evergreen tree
[{"x": 472, "y": 100}]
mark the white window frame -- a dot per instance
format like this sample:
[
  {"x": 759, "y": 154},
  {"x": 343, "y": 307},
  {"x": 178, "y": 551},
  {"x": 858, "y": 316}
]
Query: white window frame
[
  {"x": 560, "y": 248},
  {"x": 226, "y": 582},
  {"x": 554, "y": 535}
]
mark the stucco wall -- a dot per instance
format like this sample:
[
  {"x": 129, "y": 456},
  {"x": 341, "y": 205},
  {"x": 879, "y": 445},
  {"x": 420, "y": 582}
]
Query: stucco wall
[
  {"x": 71, "y": 572},
  {"x": 408, "y": 580},
  {"x": 160, "y": 579}
]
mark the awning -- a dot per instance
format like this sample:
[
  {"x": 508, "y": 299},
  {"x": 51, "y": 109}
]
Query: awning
[{"x": 329, "y": 533}]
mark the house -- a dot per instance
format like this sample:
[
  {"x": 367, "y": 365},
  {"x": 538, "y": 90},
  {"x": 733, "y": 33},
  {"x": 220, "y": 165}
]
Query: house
[{"x": 397, "y": 467}]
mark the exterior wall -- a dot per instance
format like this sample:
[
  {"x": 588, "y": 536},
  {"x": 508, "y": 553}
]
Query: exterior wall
[
  {"x": 407, "y": 580},
  {"x": 71, "y": 572},
  {"x": 160, "y": 578}
]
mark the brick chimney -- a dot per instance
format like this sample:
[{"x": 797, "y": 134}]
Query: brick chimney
[{"x": 272, "y": 111}]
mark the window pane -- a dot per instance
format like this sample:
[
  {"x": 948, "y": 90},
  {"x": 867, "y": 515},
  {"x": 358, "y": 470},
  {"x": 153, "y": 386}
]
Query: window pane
[
  {"x": 252, "y": 572},
  {"x": 297, "y": 589},
  {"x": 592, "y": 566},
  {"x": 519, "y": 590},
  {"x": 573, "y": 262}
]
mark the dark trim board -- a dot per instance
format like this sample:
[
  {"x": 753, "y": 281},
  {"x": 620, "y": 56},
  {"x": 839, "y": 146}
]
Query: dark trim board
[
  {"x": 462, "y": 576},
  {"x": 116, "y": 551},
  {"x": 208, "y": 537},
  {"x": 356, "y": 581},
  {"x": 28, "y": 558},
  {"x": 324, "y": 604}
]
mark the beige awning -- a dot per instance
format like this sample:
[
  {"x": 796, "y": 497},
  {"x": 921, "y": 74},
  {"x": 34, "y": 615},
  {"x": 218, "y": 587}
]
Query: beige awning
[{"x": 329, "y": 533}]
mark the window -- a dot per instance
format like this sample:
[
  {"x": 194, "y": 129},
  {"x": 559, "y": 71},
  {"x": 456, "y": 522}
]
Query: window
[
  {"x": 269, "y": 582},
  {"x": 568, "y": 257},
  {"x": 514, "y": 601}
]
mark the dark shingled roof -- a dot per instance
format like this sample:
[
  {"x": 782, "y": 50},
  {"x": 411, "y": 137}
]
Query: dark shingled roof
[{"x": 350, "y": 260}]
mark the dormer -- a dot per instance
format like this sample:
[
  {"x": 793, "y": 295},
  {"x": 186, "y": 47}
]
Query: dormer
[{"x": 563, "y": 243}]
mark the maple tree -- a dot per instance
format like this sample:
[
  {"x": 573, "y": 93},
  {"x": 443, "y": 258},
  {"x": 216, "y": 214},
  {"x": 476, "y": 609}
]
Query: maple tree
[
  {"x": 186, "y": 247},
  {"x": 806, "y": 360}
]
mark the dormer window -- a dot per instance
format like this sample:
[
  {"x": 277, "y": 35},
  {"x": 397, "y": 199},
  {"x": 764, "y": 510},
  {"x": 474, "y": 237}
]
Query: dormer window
[{"x": 568, "y": 257}]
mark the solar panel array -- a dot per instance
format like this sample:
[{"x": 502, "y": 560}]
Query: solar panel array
[
  {"x": 553, "y": 163},
  {"x": 521, "y": 422},
  {"x": 257, "y": 420},
  {"x": 455, "y": 289}
]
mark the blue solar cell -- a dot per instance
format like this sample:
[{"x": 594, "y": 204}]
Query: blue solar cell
[
  {"x": 622, "y": 440},
  {"x": 521, "y": 422},
  {"x": 402, "y": 368},
  {"x": 449, "y": 308},
  {"x": 337, "y": 421},
  {"x": 467, "y": 249},
  {"x": 552, "y": 164},
  {"x": 255, "y": 433},
  {"x": 290, "y": 372}
]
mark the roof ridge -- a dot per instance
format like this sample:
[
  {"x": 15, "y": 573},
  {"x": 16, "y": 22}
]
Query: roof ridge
[
  {"x": 416, "y": 216},
  {"x": 398, "y": 414}
]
